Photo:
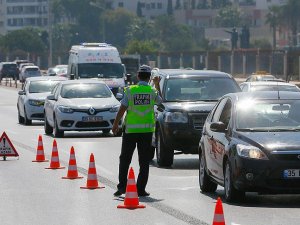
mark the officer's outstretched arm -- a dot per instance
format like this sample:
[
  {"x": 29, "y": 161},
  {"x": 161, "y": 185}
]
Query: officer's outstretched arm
[{"x": 119, "y": 116}]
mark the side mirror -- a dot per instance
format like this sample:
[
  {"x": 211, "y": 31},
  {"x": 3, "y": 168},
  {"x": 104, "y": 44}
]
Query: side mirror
[
  {"x": 51, "y": 97},
  {"x": 72, "y": 76},
  {"x": 128, "y": 77},
  {"x": 218, "y": 127},
  {"x": 119, "y": 96},
  {"x": 21, "y": 93}
]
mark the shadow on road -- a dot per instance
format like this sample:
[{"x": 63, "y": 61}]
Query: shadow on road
[{"x": 94, "y": 134}]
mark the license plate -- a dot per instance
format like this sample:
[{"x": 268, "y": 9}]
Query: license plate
[
  {"x": 291, "y": 173},
  {"x": 92, "y": 118}
]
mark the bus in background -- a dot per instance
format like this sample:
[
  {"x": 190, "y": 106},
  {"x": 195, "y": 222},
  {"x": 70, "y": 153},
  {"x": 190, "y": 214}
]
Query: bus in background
[{"x": 99, "y": 61}]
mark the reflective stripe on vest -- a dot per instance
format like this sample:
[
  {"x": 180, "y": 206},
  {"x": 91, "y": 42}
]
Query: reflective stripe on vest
[{"x": 149, "y": 125}]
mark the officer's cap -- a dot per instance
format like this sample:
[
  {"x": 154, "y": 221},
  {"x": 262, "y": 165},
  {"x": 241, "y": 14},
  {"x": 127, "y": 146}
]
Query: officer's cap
[{"x": 144, "y": 69}]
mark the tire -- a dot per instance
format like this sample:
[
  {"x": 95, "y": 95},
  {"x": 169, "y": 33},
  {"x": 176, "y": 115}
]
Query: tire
[
  {"x": 106, "y": 131},
  {"x": 205, "y": 183},
  {"x": 164, "y": 154},
  {"x": 26, "y": 120},
  {"x": 48, "y": 129},
  {"x": 20, "y": 118},
  {"x": 231, "y": 193},
  {"x": 57, "y": 132}
]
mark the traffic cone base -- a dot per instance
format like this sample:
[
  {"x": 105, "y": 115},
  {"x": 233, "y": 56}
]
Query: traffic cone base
[
  {"x": 46, "y": 160},
  {"x": 91, "y": 188},
  {"x": 55, "y": 168},
  {"x": 131, "y": 200},
  {"x": 71, "y": 178}
]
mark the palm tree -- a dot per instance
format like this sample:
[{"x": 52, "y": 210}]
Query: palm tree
[
  {"x": 273, "y": 19},
  {"x": 291, "y": 16}
]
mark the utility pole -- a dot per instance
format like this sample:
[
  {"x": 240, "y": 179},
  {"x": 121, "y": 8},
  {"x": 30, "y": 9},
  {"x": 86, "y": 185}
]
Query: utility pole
[{"x": 50, "y": 33}]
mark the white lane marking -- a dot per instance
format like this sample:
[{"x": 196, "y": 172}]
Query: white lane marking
[{"x": 235, "y": 223}]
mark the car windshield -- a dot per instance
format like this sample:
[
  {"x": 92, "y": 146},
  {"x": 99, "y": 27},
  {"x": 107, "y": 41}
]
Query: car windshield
[
  {"x": 33, "y": 71},
  {"x": 85, "y": 91},
  {"x": 275, "y": 115},
  {"x": 42, "y": 86},
  {"x": 198, "y": 88},
  {"x": 275, "y": 88},
  {"x": 100, "y": 70}
]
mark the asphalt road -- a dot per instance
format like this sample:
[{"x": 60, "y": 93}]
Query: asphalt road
[{"x": 32, "y": 195}]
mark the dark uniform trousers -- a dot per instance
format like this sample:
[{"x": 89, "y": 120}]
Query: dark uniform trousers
[{"x": 129, "y": 142}]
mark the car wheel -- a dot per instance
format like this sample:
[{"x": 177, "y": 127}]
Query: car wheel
[
  {"x": 20, "y": 118},
  {"x": 231, "y": 193},
  {"x": 48, "y": 129},
  {"x": 206, "y": 185},
  {"x": 57, "y": 132},
  {"x": 164, "y": 154},
  {"x": 26, "y": 120},
  {"x": 106, "y": 131}
]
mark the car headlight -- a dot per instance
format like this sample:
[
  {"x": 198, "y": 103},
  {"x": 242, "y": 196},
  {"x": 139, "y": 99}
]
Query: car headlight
[
  {"x": 176, "y": 117},
  {"x": 251, "y": 152},
  {"x": 115, "y": 108},
  {"x": 35, "y": 102},
  {"x": 65, "y": 109}
]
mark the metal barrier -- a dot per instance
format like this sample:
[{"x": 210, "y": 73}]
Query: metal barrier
[{"x": 8, "y": 81}]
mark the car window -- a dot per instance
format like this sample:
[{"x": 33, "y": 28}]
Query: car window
[
  {"x": 198, "y": 88},
  {"x": 85, "y": 91},
  {"x": 226, "y": 113},
  {"x": 275, "y": 88},
  {"x": 244, "y": 88},
  {"x": 218, "y": 110},
  {"x": 42, "y": 86}
]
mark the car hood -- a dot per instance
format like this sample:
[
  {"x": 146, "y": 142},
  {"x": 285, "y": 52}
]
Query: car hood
[
  {"x": 85, "y": 103},
  {"x": 272, "y": 140},
  {"x": 38, "y": 96},
  {"x": 198, "y": 106}
]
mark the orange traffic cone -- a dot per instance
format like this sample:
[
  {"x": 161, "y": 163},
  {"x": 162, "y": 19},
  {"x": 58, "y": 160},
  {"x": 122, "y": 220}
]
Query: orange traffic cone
[
  {"x": 40, "y": 156},
  {"x": 54, "y": 164},
  {"x": 72, "y": 169},
  {"x": 92, "y": 182},
  {"x": 131, "y": 200},
  {"x": 219, "y": 216}
]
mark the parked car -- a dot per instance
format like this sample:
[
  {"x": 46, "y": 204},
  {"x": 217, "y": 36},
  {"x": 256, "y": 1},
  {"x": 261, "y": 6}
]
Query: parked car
[
  {"x": 80, "y": 105},
  {"x": 188, "y": 97},
  {"x": 8, "y": 69},
  {"x": 29, "y": 71},
  {"x": 61, "y": 70},
  {"x": 31, "y": 99},
  {"x": 250, "y": 143},
  {"x": 268, "y": 86}
]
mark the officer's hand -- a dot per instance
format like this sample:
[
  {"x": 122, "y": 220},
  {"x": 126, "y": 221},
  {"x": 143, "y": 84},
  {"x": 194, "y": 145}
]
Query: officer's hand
[
  {"x": 156, "y": 80},
  {"x": 115, "y": 129}
]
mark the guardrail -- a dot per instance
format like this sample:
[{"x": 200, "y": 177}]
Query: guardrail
[{"x": 10, "y": 82}]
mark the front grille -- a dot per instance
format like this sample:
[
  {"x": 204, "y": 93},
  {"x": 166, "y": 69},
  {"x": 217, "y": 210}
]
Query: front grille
[
  {"x": 198, "y": 120},
  {"x": 67, "y": 123},
  {"x": 88, "y": 112},
  {"x": 288, "y": 157},
  {"x": 92, "y": 124},
  {"x": 38, "y": 115},
  {"x": 280, "y": 183}
]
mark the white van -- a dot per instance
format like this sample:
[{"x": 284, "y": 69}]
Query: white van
[{"x": 97, "y": 60}]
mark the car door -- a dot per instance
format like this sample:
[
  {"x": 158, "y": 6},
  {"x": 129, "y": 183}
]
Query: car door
[
  {"x": 221, "y": 140},
  {"x": 209, "y": 141},
  {"x": 50, "y": 105},
  {"x": 22, "y": 99}
]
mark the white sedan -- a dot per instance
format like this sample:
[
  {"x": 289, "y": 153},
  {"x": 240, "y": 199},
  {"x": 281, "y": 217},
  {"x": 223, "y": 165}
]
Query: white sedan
[
  {"x": 31, "y": 99},
  {"x": 80, "y": 105}
]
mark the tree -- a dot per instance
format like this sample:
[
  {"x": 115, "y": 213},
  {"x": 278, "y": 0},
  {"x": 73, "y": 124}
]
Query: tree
[
  {"x": 291, "y": 16},
  {"x": 228, "y": 17},
  {"x": 273, "y": 19},
  {"x": 170, "y": 7},
  {"x": 147, "y": 46}
]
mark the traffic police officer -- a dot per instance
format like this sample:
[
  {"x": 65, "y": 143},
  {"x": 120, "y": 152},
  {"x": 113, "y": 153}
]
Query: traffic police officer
[{"x": 139, "y": 125}]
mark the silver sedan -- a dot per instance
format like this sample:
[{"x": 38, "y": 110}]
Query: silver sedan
[
  {"x": 80, "y": 105},
  {"x": 31, "y": 99}
]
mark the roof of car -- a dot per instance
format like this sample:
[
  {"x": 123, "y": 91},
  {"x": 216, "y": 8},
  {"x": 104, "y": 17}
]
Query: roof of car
[
  {"x": 83, "y": 81},
  {"x": 29, "y": 66},
  {"x": 40, "y": 78},
  {"x": 179, "y": 72},
  {"x": 267, "y": 95},
  {"x": 266, "y": 83}
]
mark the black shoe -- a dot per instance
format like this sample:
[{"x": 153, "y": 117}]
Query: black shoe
[
  {"x": 118, "y": 193},
  {"x": 143, "y": 193}
]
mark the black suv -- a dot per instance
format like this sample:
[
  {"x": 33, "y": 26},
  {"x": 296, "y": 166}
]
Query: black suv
[
  {"x": 188, "y": 97},
  {"x": 8, "y": 69}
]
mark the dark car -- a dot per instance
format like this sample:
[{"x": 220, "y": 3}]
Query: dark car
[
  {"x": 251, "y": 143},
  {"x": 188, "y": 97},
  {"x": 8, "y": 69}
]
